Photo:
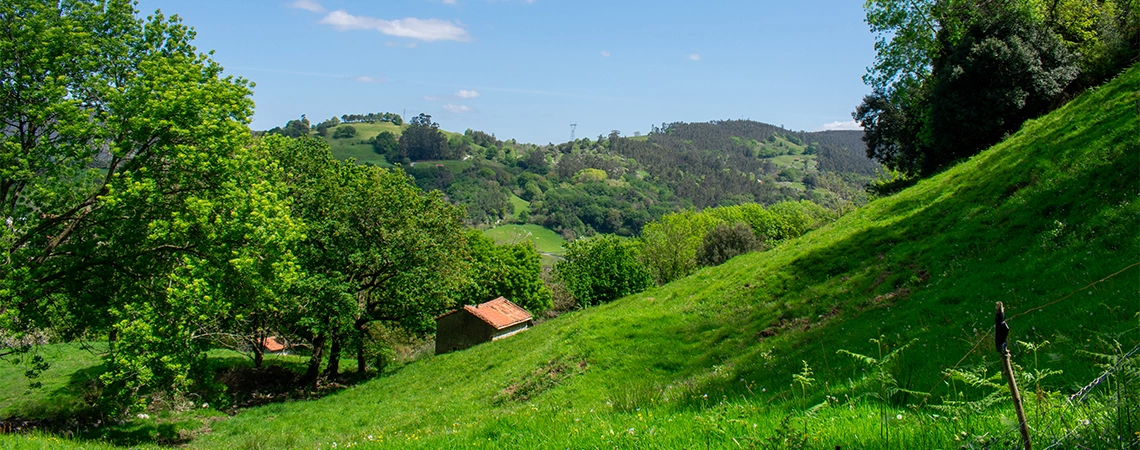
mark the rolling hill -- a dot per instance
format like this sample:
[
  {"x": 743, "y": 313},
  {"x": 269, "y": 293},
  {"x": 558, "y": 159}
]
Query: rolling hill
[{"x": 749, "y": 353}]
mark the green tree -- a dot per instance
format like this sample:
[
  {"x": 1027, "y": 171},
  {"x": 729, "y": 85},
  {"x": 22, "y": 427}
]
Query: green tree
[
  {"x": 377, "y": 249},
  {"x": 423, "y": 140},
  {"x": 135, "y": 207},
  {"x": 601, "y": 269},
  {"x": 513, "y": 271},
  {"x": 387, "y": 145},
  {"x": 344, "y": 132},
  {"x": 670, "y": 244}
]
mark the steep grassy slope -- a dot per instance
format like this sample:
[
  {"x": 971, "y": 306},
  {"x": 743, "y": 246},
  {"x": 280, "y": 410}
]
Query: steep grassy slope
[{"x": 709, "y": 360}]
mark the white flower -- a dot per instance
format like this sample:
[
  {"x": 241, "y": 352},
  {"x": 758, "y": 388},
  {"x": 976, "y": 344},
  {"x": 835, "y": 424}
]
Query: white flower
[{"x": 899, "y": 417}]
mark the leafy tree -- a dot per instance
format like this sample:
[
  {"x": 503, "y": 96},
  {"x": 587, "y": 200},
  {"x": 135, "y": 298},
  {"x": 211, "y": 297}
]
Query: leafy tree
[
  {"x": 423, "y": 140},
  {"x": 947, "y": 66},
  {"x": 725, "y": 242},
  {"x": 601, "y": 269},
  {"x": 323, "y": 127},
  {"x": 293, "y": 128},
  {"x": 510, "y": 270},
  {"x": 378, "y": 249},
  {"x": 1004, "y": 70},
  {"x": 386, "y": 144},
  {"x": 344, "y": 132},
  {"x": 136, "y": 207},
  {"x": 670, "y": 244}
]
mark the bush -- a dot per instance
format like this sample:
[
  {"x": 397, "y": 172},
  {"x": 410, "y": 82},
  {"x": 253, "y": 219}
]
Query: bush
[
  {"x": 344, "y": 132},
  {"x": 601, "y": 269},
  {"x": 726, "y": 242}
]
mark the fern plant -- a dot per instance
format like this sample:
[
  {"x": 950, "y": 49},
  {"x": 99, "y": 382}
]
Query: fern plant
[{"x": 880, "y": 370}]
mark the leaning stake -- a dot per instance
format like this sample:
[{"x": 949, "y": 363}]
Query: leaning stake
[{"x": 1001, "y": 331}]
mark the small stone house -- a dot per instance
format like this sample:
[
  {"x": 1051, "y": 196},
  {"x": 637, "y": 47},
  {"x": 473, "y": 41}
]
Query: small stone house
[{"x": 480, "y": 323}]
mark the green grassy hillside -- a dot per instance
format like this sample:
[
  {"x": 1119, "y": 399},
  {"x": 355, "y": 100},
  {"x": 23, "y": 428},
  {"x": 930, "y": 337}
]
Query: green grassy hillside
[
  {"x": 359, "y": 148},
  {"x": 709, "y": 360},
  {"x": 1045, "y": 222}
]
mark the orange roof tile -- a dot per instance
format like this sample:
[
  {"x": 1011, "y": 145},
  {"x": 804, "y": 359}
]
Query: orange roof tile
[
  {"x": 499, "y": 313},
  {"x": 273, "y": 344}
]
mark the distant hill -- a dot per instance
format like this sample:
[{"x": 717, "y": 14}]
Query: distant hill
[{"x": 677, "y": 166}]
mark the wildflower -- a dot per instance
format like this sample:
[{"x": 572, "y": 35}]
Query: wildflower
[{"x": 898, "y": 417}]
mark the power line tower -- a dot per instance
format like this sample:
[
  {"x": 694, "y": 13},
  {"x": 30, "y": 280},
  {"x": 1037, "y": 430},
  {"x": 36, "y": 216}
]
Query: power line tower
[{"x": 573, "y": 127}]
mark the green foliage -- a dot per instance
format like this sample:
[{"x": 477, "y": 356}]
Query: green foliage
[
  {"x": 385, "y": 144},
  {"x": 1003, "y": 70},
  {"x": 344, "y": 132},
  {"x": 725, "y": 242},
  {"x": 377, "y": 248},
  {"x": 156, "y": 222},
  {"x": 323, "y": 127},
  {"x": 952, "y": 78},
  {"x": 508, "y": 270},
  {"x": 669, "y": 245},
  {"x": 424, "y": 141},
  {"x": 601, "y": 269}
]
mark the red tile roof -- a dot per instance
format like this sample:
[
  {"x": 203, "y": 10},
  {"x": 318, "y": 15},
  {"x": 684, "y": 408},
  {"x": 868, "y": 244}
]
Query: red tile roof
[
  {"x": 273, "y": 344},
  {"x": 499, "y": 313}
]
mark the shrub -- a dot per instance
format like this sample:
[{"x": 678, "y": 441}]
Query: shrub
[
  {"x": 601, "y": 269},
  {"x": 344, "y": 132},
  {"x": 726, "y": 242}
]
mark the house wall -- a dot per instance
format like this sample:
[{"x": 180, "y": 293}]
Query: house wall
[
  {"x": 499, "y": 334},
  {"x": 460, "y": 330}
]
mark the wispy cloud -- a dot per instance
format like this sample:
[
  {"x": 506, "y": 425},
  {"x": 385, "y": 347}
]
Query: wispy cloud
[
  {"x": 842, "y": 125},
  {"x": 464, "y": 93},
  {"x": 458, "y": 109},
  {"x": 429, "y": 30},
  {"x": 695, "y": 57},
  {"x": 605, "y": 53},
  {"x": 450, "y": 2},
  {"x": 368, "y": 79},
  {"x": 308, "y": 5}
]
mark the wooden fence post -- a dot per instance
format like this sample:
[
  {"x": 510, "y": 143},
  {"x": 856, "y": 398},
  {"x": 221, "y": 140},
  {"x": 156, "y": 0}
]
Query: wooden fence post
[{"x": 1001, "y": 331}]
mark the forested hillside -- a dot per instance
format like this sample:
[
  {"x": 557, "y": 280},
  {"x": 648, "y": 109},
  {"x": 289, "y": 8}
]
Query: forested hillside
[{"x": 612, "y": 184}]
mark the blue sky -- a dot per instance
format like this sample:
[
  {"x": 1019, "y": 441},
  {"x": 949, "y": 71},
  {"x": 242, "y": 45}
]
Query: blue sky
[{"x": 527, "y": 69}]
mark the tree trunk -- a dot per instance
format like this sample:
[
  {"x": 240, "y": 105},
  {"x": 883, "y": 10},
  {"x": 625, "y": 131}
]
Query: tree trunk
[
  {"x": 314, "y": 370},
  {"x": 334, "y": 358},
  {"x": 258, "y": 356},
  {"x": 361, "y": 334}
]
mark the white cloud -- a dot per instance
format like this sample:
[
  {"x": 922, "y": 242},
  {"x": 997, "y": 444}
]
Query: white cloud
[
  {"x": 422, "y": 29},
  {"x": 841, "y": 125},
  {"x": 458, "y": 109},
  {"x": 464, "y": 93},
  {"x": 605, "y": 53},
  {"x": 450, "y": 2},
  {"x": 695, "y": 57},
  {"x": 368, "y": 79}
]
